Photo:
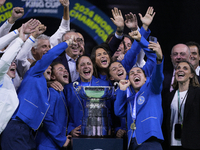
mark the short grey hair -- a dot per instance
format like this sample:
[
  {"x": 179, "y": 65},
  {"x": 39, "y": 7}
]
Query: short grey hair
[{"x": 40, "y": 37}]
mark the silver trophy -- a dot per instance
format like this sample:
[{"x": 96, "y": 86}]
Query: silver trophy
[{"x": 95, "y": 121}]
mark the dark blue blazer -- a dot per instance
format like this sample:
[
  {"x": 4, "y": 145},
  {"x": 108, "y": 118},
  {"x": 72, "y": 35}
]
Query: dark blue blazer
[{"x": 52, "y": 135}]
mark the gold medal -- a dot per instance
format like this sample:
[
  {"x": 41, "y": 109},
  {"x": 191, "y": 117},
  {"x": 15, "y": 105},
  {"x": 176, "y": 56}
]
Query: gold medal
[{"x": 133, "y": 127}]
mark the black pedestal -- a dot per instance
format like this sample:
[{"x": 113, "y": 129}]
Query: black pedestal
[{"x": 97, "y": 144}]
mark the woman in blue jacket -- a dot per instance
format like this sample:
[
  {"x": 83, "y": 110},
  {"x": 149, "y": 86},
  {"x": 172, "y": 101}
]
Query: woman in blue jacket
[
  {"x": 143, "y": 108},
  {"x": 75, "y": 104},
  {"x": 52, "y": 134}
]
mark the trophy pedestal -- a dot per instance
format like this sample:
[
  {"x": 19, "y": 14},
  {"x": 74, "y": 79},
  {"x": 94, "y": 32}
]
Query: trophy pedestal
[{"x": 97, "y": 144}]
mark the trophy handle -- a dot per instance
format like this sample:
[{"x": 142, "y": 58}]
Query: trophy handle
[
  {"x": 116, "y": 86},
  {"x": 75, "y": 85}
]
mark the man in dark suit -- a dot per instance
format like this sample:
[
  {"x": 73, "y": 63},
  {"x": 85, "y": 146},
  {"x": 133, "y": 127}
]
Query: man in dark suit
[
  {"x": 194, "y": 56},
  {"x": 68, "y": 59}
]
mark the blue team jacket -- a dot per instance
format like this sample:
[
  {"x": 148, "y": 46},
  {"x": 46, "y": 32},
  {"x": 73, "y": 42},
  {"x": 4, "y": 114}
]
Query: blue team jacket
[
  {"x": 52, "y": 135},
  {"x": 149, "y": 114},
  {"x": 33, "y": 94},
  {"x": 75, "y": 103}
]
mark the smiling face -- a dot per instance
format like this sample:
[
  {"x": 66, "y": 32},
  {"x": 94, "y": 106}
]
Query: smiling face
[
  {"x": 60, "y": 74},
  {"x": 183, "y": 73},
  {"x": 137, "y": 78},
  {"x": 180, "y": 52},
  {"x": 12, "y": 70},
  {"x": 47, "y": 73},
  {"x": 102, "y": 59},
  {"x": 43, "y": 47},
  {"x": 73, "y": 50},
  {"x": 117, "y": 72},
  {"x": 85, "y": 68}
]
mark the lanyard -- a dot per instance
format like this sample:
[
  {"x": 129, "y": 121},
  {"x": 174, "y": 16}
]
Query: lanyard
[
  {"x": 133, "y": 111},
  {"x": 180, "y": 107}
]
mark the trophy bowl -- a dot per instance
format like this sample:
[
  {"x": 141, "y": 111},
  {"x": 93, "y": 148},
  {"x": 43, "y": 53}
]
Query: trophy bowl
[{"x": 95, "y": 121}]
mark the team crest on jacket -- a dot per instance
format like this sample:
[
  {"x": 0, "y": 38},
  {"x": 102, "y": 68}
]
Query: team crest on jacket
[{"x": 140, "y": 100}]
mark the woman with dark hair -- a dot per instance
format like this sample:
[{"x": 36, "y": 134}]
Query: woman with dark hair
[
  {"x": 182, "y": 110},
  {"x": 75, "y": 103},
  {"x": 100, "y": 55},
  {"x": 139, "y": 99}
]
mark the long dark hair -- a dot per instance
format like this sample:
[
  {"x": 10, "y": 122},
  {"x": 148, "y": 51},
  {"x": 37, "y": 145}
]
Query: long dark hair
[
  {"x": 193, "y": 81},
  {"x": 93, "y": 58}
]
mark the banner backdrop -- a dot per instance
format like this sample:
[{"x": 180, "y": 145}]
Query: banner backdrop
[{"x": 82, "y": 13}]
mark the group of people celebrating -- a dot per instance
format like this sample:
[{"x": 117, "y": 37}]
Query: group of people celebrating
[{"x": 40, "y": 109}]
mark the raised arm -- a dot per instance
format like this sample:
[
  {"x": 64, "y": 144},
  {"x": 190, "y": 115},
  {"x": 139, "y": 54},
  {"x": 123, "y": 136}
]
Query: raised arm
[
  {"x": 22, "y": 63},
  {"x": 131, "y": 21},
  {"x": 17, "y": 13},
  {"x": 151, "y": 56},
  {"x": 157, "y": 75},
  {"x": 148, "y": 18},
  {"x": 118, "y": 20},
  {"x": 11, "y": 53},
  {"x": 2, "y": 2},
  {"x": 56, "y": 38},
  {"x": 42, "y": 64},
  {"x": 28, "y": 28}
]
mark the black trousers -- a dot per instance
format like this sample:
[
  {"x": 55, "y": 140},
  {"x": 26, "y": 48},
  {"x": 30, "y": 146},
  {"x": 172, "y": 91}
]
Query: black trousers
[{"x": 17, "y": 136}]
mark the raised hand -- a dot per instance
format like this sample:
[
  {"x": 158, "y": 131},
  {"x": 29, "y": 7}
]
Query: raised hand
[
  {"x": 124, "y": 84},
  {"x": 131, "y": 21},
  {"x": 118, "y": 19},
  {"x": 65, "y": 3},
  {"x": 30, "y": 26},
  {"x": 17, "y": 13},
  {"x": 156, "y": 48},
  {"x": 147, "y": 19},
  {"x": 39, "y": 30},
  {"x": 120, "y": 57},
  {"x": 21, "y": 33},
  {"x": 71, "y": 40},
  {"x": 135, "y": 35},
  {"x": 76, "y": 131},
  {"x": 2, "y": 2}
]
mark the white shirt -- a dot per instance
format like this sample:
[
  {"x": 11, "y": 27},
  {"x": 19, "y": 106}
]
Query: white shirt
[
  {"x": 9, "y": 100},
  {"x": 5, "y": 28},
  {"x": 174, "y": 115},
  {"x": 72, "y": 68},
  {"x": 197, "y": 70}
]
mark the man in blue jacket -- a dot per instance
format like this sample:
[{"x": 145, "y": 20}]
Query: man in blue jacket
[{"x": 144, "y": 107}]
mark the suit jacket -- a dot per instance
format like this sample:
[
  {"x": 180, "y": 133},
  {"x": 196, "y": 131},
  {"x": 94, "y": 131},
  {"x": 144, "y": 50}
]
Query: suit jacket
[
  {"x": 191, "y": 120},
  {"x": 149, "y": 114},
  {"x": 52, "y": 135},
  {"x": 167, "y": 82}
]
